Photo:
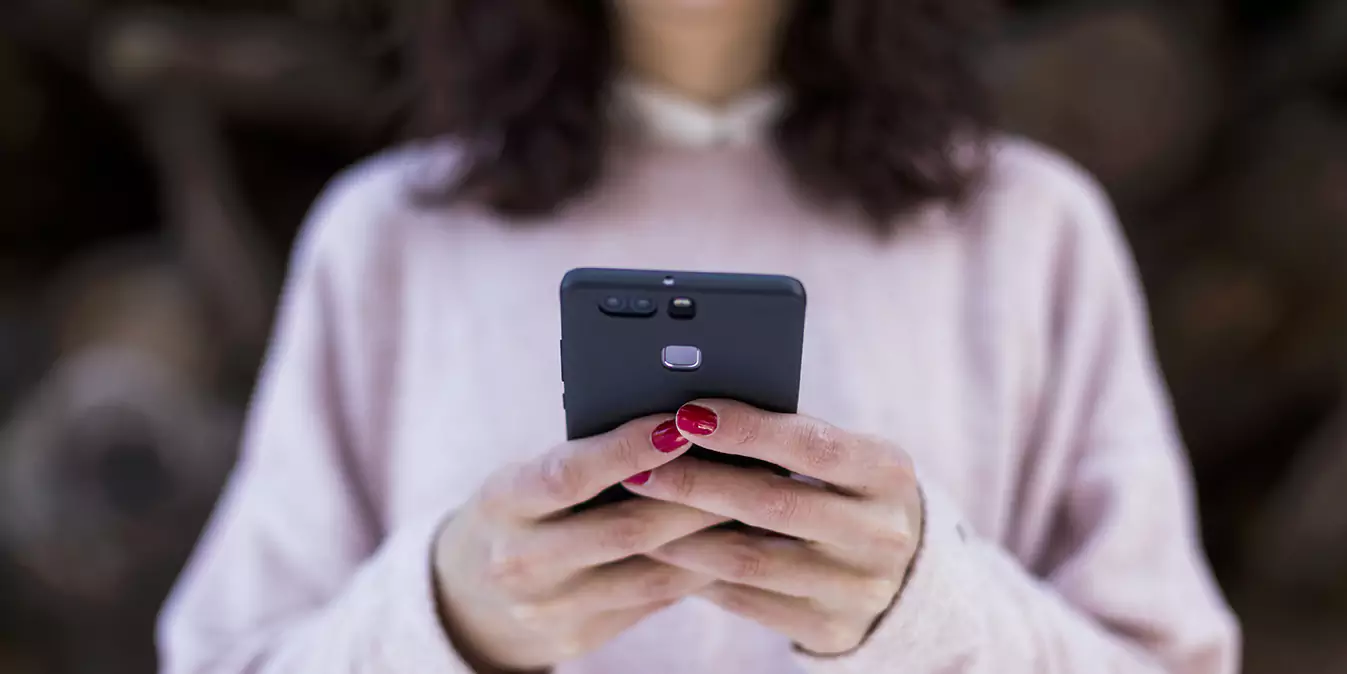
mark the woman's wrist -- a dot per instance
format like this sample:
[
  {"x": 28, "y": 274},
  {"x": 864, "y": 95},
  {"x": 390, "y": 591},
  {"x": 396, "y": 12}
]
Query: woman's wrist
[{"x": 455, "y": 629}]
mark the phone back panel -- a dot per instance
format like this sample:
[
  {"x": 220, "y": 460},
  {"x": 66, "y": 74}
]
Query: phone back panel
[{"x": 749, "y": 329}]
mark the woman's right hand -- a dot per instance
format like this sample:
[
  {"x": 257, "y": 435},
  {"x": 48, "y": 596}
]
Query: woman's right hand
[{"x": 526, "y": 584}]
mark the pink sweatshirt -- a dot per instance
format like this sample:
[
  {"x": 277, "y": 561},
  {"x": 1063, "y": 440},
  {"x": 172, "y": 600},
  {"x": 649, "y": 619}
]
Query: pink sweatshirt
[{"x": 1003, "y": 345}]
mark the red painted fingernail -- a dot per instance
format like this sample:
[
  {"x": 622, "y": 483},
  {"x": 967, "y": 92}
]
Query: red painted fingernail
[
  {"x": 697, "y": 420},
  {"x": 639, "y": 478},
  {"x": 667, "y": 439}
]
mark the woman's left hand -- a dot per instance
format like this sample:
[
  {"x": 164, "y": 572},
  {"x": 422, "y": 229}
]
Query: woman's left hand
[{"x": 851, "y": 539}]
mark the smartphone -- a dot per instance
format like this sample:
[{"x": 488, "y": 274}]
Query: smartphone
[{"x": 636, "y": 343}]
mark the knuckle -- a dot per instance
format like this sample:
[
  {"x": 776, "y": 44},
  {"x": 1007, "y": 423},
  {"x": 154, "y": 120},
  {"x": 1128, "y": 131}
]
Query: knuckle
[
  {"x": 746, "y": 562},
  {"x": 780, "y": 507},
  {"x": 490, "y": 506},
  {"x": 661, "y": 583},
  {"x": 898, "y": 469},
  {"x": 875, "y": 596},
  {"x": 892, "y": 545},
  {"x": 734, "y": 600},
  {"x": 510, "y": 570},
  {"x": 628, "y": 452},
  {"x": 561, "y": 478},
  {"x": 629, "y": 534},
  {"x": 681, "y": 480},
  {"x": 531, "y": 616},
  {"x": 820, "y": 445},
  {"x": 747, "y": 426},
  {"x": 571, "y": 647},
  {"x": 833, "y": 635},
  {"x": 904, "y": 466},
  {"x": 493, "y": 499}
]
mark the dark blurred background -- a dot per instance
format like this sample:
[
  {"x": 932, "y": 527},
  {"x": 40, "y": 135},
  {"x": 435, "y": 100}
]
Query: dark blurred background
[{"x": 155, "y": 161}]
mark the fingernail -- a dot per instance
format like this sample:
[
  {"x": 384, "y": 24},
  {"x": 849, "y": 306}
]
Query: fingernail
[
  {"x": 639, "y": 479},
  {"x": 697, "y": 420},
  {"x": 667, "y": 439}
]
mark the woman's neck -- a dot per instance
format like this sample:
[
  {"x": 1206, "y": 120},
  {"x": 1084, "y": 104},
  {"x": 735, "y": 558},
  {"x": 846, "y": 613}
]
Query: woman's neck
[{"x": 708, "y": 64}]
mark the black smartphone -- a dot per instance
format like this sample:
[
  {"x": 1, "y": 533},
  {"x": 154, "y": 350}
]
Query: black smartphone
[{"x": 636, "y": 343}]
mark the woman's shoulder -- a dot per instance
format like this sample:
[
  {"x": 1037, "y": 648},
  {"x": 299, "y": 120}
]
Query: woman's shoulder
[
  {"x": 1042, "y": 224},
  {"x": 392, "y": 182},
  {"x": 1034, "y": 198},
  {"x": 1026, "y": 172},
  {"x": 369, "y": 205}
]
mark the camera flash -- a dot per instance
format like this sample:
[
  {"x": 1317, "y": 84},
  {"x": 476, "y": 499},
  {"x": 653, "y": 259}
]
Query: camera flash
[{"x": 682, "y": 308}]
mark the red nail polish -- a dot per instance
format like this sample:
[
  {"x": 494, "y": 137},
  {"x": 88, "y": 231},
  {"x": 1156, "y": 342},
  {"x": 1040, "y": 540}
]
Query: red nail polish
[
  {"x": 697, "y": 420},
  {"x": 667, "y": 439},
  {"x": 639, "y": 478}
]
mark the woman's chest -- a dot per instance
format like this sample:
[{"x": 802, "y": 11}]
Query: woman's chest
[{"x": 888, "y": 351}]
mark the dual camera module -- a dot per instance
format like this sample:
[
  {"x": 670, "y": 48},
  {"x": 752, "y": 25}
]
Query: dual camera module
[{"x": 682, "y": 308}]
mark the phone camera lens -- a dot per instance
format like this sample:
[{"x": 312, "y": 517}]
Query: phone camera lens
[
  {"x": 639, "y": 307},
  {"x": 643, "y": 306}
]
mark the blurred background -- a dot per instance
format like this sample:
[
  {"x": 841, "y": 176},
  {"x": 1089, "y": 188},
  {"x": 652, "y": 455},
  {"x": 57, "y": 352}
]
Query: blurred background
[{"x": 156, "y": 160}]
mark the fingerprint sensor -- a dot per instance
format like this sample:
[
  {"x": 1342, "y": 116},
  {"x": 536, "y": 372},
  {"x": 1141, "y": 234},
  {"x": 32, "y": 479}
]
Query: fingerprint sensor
[{"x": 682, "y": 358}]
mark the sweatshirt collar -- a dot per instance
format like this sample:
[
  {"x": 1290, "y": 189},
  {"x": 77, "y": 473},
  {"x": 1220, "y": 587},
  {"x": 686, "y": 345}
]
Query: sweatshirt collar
[{"x": 669, "y": 119}]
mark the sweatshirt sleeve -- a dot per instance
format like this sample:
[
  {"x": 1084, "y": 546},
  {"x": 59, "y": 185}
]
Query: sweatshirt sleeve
[
  {"x": 294, "y": 573},
  {"x": 1124, "y": 586}
]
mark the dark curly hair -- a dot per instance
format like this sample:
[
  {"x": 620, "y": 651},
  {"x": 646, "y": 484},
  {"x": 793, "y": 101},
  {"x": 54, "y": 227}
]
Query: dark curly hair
[{"x": 879, "y": 94}]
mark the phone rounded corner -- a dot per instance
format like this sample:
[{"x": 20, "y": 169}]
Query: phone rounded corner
[
  {"x": 796, "y": 288},
  {"x": 573, "y": 279}
]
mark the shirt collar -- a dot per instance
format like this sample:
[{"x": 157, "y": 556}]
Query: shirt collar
[{"x": 669, "y": 119}]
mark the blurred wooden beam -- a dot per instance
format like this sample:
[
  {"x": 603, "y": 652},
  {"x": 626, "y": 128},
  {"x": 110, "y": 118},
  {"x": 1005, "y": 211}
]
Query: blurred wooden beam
[
  {"x": 208, "y": 219},
  {"x": 264, "y": 69}
]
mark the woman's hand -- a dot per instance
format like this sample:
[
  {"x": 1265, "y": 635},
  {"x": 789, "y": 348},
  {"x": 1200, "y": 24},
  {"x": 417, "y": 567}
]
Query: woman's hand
[
  {"x": 852, "y": 539},
  {"x": 525, "y": 584}
]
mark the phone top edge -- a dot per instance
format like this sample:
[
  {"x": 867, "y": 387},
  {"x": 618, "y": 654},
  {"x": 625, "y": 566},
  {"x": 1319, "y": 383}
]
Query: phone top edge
[{"x": 649, "y": 279}]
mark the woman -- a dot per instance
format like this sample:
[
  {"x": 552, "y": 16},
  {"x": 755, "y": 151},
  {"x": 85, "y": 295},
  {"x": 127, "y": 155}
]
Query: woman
[{"x": 1002, "y": 489}]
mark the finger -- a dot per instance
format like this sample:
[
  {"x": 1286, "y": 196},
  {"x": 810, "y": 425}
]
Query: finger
[
  {"x": 783, "y": 566},
  {"x": 761, "y": 499},
  {"x": 857, "y": 463},
  {"x": 635, "y": 582},
  {"x": 595, "y": 537},
  {"x": 578, "y": 470},
  {"x": 797, "y": 619}
]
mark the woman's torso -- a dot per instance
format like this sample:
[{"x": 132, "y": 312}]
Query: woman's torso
[{"x": 935, "y": 337}]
